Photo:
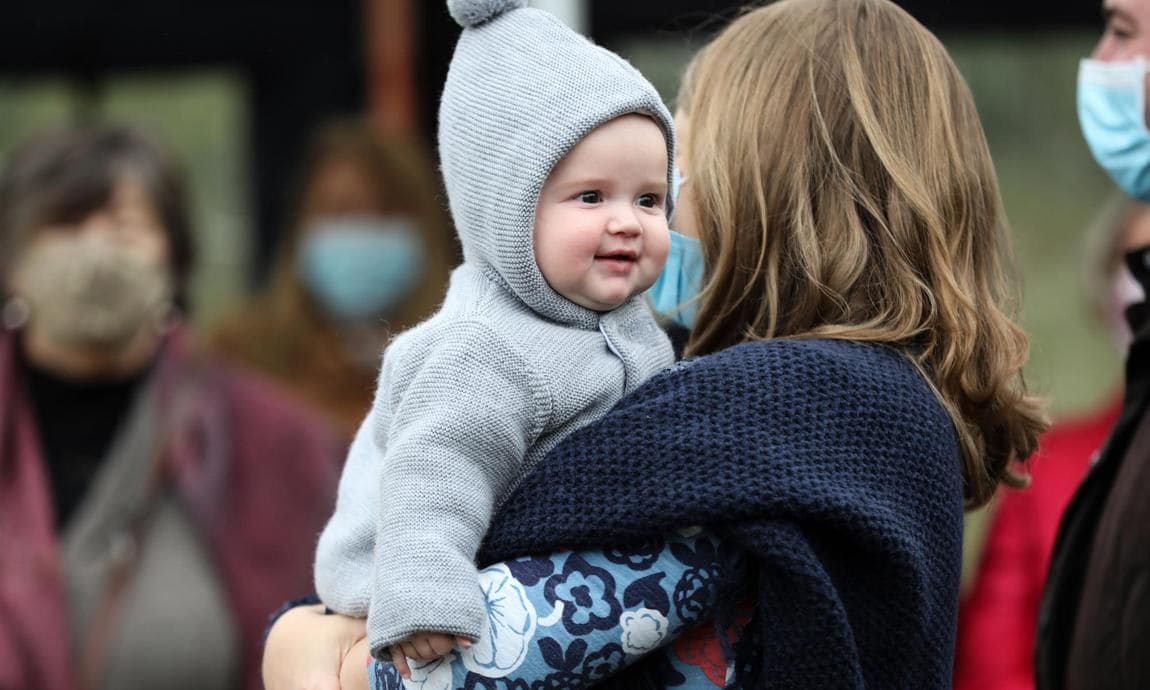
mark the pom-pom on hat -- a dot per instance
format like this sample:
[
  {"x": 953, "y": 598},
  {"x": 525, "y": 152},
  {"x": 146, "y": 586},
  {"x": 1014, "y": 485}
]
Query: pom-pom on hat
[
  {"x": 474, "y": 12},
  {"x": 522, "y": 90}
]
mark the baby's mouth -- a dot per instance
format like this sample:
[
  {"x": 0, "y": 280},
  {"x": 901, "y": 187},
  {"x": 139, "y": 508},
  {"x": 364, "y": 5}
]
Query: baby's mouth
[
  {"x": 619, "y": 263},
  {"x": 622, "y": 255}
]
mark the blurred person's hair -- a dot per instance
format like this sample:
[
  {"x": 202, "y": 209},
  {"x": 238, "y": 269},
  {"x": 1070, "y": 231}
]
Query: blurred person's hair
[
  {"x": 849, "y": 193},
  {"x": 402, "y": 175},
  {"x": 61, "y": 177},
  {"x": 1104, "y": 248},
  {"x": 284, "y": 333}
]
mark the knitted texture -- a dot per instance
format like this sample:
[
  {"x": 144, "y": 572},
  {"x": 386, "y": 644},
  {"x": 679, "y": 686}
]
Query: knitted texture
[
  {"x": 834, "y": 469},
  {"x": 474, "y": 12},
  {"x": 467, "y": 402},
  {"x": 521, "y": 91}
]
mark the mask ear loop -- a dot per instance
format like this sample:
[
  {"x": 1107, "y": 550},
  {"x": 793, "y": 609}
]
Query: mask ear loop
[
  {"x": 677, "y": 180},
  {"x": 1143, "y": 67},
  {"x": 1140, "y": 93}
]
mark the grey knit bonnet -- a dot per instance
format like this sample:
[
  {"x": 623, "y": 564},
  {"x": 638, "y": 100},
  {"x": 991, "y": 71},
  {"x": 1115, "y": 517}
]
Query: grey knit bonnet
[{"x": 522, "y": 90}]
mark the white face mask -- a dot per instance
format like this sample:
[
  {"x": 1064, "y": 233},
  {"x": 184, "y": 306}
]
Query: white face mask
[{"x": 91, "y": 291}]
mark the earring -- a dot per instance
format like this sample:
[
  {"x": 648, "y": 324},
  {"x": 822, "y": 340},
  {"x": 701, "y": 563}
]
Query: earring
[{"x": 15, "y": 312}]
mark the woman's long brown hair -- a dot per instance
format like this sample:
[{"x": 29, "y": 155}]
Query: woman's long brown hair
[{"x": 843, "y": 188}]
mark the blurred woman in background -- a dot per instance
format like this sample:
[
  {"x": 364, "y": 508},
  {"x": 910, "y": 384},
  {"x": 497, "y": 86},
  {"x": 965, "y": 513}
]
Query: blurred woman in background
[
  {"x": 998, "y": 618},
  {"x": 144, "y": 488},
  {"x": 367, "y": 255}
]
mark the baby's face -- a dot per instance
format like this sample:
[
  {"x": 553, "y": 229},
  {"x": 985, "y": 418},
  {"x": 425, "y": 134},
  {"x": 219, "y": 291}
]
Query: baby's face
[{"x": 601, "y": 224}]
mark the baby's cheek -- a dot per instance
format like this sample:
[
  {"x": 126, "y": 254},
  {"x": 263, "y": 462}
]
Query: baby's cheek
[{"x": 661, "y": 247}]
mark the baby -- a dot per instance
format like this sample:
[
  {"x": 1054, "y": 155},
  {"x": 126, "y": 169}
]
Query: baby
[{"x": 556, "y": 156}]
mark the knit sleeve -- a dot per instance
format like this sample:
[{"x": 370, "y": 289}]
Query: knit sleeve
[{"x": 461, "y": 415}]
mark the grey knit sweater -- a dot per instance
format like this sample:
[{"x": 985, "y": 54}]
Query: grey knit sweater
[{"x": 471, "y": 399}]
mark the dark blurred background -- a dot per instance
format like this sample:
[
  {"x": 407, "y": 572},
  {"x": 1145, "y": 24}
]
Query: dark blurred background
[{"x": 236, "y": 86}]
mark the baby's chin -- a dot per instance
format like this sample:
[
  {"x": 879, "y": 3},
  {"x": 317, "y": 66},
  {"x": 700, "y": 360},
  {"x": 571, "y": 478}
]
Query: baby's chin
[
  {"x": 605, "y": 304},
  {"x": 600, "y": 303},
  {"x": 604, "y": 307}
]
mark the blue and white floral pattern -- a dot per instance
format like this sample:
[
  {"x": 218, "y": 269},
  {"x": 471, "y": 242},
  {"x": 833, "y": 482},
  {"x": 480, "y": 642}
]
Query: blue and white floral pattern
[
  {"x": 570, "y": 620},
  {"x": 643, "y": 631},
  {"x": 638, "y": 557},
  {"x": 511, "y": 623},
  {"x": 587, "y": 594},
  {"x": 432, "y": 675}
]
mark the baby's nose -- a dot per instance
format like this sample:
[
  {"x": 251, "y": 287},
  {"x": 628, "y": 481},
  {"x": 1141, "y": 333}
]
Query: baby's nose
[{"x": 625, "y": 223}]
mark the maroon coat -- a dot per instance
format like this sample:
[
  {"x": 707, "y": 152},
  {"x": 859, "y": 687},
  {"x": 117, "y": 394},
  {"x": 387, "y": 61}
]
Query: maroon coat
[{"x": 257, "y": 504}]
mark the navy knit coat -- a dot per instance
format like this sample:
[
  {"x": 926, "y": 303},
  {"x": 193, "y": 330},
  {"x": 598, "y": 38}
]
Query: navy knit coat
[{"x": 831, "y": 467}]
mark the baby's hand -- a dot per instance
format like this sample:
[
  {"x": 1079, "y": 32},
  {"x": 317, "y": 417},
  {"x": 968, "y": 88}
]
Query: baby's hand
[{"x": 423, "y": 646}]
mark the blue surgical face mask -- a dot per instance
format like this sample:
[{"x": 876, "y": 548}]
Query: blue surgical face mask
[
  {"x": 1112, "y": 113},
  {"x": 674, "y": 292},
  {"x": 359, "y": 267}
]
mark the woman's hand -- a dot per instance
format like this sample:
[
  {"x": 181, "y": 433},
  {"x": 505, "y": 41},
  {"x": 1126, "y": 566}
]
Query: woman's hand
[
  {"x": 353, "y": 673},
  {"x": 306, "y": 650}
]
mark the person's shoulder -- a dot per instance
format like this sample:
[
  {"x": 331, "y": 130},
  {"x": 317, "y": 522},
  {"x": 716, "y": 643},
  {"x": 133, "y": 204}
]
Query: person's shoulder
[
  {"x": 464, "y": 351},
  {"x": 275, "y": 444},
  {"x": 243, "y": 333},
  {"x": 851, "y": 372},
  {"x": 809, "y": 356},
  {"x": 449, "y": 330}
]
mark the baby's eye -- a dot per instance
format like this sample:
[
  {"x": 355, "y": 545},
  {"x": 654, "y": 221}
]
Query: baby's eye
[
  {"x": 590, "y": 197},
  {"x": 649, "y": 200}
]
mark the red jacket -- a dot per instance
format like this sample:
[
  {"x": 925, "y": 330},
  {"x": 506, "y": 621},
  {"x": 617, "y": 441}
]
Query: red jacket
[
  {"x": 255, "y": 504},
  {"x": 999, "y": 616}
]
